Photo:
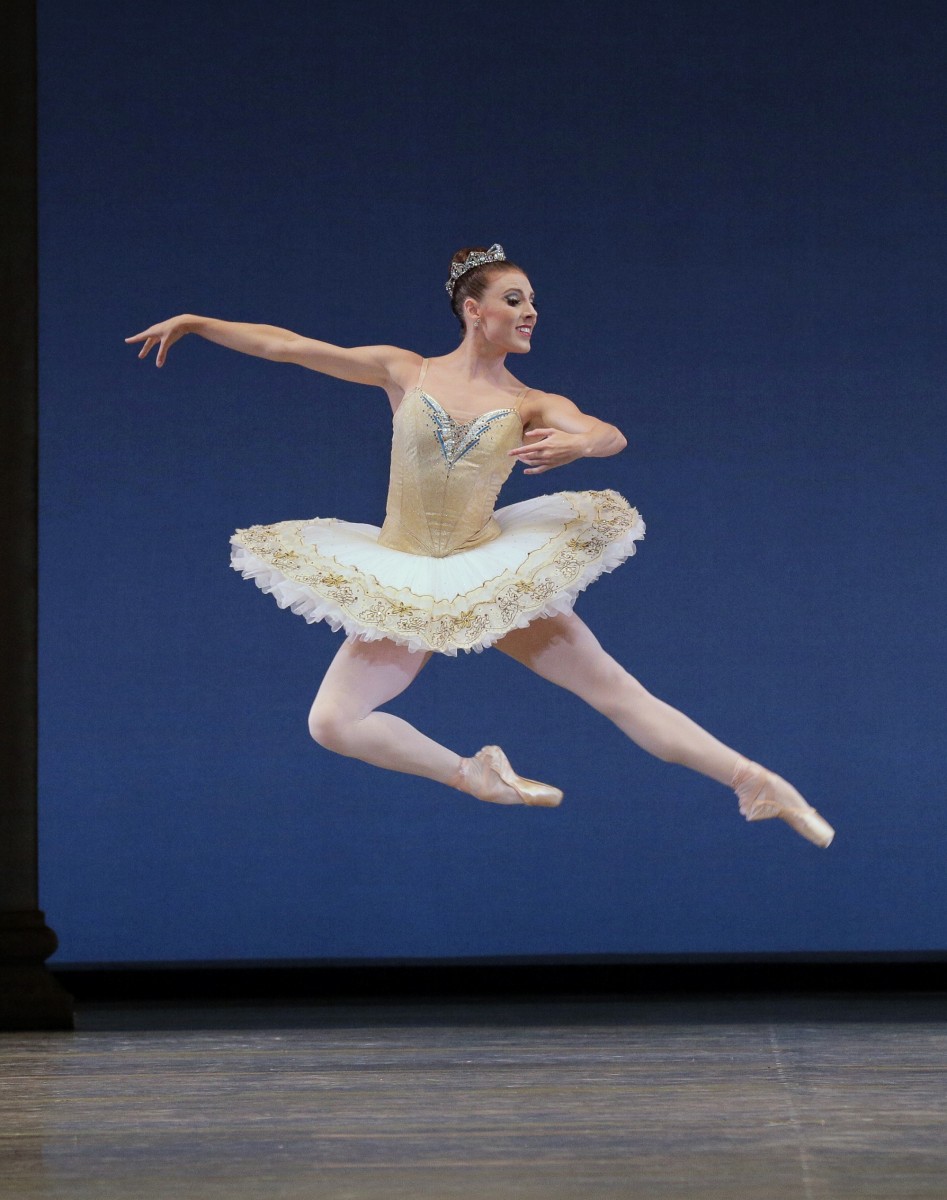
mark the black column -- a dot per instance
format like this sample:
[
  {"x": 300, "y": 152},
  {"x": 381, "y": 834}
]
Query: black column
[{"x": 30, "y": 998}]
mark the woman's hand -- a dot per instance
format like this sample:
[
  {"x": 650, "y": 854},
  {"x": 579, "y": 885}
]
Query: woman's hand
[
  {"x": 164, "y": 335},
  {"x": 548, "y": 448},
  {"x": 563, "y": 433}
]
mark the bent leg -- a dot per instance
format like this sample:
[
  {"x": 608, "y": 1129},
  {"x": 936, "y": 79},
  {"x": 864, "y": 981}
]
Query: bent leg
[
  {"x": 362, "y": 677},
  {"x": 564, "y": 650},
  {"x": 343, "y": 718}
]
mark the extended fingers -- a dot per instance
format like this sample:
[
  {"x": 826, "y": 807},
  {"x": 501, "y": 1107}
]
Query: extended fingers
[
  {"x": 155, "y": 335},
  {"x": 147, "y": 337},
  {"x": 523, "y": 451},
  {"x": 549, "y": 448},
  {"x": 532, "y": 459}
]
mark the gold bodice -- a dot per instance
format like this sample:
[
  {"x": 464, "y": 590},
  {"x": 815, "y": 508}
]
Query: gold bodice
[{"x": 446, "y": 475}]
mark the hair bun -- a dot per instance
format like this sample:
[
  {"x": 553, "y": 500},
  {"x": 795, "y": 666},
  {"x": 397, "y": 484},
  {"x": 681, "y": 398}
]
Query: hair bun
[{"x": 470, "y": 269}]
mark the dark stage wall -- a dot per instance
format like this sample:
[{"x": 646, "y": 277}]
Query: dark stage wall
[{"x": 732, "y": 215}]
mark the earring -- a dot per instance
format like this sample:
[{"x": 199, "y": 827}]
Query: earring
[{"x": 477, "y": 323}]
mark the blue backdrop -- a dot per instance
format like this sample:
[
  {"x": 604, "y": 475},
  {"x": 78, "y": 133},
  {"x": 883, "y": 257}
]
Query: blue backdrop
[{"x": 732, "y": 215}]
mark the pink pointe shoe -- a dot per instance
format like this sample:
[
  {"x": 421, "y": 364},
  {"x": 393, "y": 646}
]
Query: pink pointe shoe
[
  {"x": 763, "y": 794},
  {"x": 489, "y": 776}
]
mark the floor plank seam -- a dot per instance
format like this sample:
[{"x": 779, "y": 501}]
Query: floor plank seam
[{"x": 786, "y": 1087}]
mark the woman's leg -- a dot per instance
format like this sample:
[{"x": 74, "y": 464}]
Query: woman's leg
[
  {"x": 362, "y": 677},
  {"x": 343, "y": 718},
  {"x": 564, "y": 650}
]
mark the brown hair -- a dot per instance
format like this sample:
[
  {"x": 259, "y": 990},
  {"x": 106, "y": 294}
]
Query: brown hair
[{"x": 473, "y": 283}]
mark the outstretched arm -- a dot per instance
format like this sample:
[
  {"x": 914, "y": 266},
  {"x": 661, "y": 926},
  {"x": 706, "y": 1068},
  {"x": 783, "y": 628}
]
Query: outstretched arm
[
  {"x": 378, "y": 365},
  {"x": 558, "y": 433}
]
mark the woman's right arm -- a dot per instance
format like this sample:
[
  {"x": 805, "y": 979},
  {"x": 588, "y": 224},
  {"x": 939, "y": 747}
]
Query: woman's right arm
[{"x": 378, "y": 365}]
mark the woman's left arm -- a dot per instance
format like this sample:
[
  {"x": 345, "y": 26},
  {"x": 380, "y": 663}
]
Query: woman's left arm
[{"x": 559, "y": 433}]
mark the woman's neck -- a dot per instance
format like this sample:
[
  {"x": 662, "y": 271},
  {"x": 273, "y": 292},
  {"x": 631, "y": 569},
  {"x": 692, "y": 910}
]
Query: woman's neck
[{"x": 477, "y": 360}]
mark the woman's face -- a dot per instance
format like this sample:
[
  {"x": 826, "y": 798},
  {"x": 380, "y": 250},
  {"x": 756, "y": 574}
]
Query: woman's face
[{"x": 507, "y": 312}]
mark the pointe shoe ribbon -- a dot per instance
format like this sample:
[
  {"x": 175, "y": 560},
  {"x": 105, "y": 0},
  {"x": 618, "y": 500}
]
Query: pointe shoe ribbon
[
  {"x": 489, "y": 776},
  {"x": 762, "y": 794}
]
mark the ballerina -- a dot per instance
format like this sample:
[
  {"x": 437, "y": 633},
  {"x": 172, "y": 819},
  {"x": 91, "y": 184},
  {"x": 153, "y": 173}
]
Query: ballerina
[{"x": 449, "y": 571}]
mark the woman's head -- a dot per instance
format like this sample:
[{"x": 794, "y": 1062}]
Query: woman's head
[{"x": 492, "y": 288}]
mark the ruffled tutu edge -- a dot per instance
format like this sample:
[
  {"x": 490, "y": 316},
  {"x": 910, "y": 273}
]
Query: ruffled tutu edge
[{"x": 604, "y": 544}]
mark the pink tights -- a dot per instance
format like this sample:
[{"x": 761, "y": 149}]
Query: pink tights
[{"x": 364, "y": 676}]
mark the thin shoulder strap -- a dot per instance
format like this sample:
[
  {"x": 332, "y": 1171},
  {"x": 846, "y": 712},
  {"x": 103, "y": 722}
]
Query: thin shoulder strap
[
  {"x": 521, "y": 396},
  {"x": 424, "y": 362}
]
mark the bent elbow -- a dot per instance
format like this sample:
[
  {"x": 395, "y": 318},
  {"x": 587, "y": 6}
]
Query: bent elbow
[{"x": 620, "y": 441}]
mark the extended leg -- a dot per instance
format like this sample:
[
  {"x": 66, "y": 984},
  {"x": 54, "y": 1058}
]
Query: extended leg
[{"x": 564, "y": 650}]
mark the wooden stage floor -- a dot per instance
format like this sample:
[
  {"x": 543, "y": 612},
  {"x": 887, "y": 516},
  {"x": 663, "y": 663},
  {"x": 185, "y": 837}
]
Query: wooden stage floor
[{"x": 805, "y": 1098}]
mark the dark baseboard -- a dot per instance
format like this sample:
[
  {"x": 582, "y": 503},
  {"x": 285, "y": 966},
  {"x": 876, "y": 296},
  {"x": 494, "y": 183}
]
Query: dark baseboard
[{"x": 447, "y": 980}]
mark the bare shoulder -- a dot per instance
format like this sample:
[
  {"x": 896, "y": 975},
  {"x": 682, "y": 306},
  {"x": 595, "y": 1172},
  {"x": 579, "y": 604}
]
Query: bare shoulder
[
  {"x": 539, "y": 396},
  {"x": 402, "y": 366},
  {"x": 538, "y": 405}
]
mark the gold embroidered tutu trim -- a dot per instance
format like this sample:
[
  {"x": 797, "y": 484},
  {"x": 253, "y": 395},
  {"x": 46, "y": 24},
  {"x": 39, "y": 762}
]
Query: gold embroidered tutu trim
[{"x": 550, "y": 549}]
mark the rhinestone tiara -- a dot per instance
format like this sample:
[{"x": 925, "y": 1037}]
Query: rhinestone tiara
[{"x": 476, "y": 258}]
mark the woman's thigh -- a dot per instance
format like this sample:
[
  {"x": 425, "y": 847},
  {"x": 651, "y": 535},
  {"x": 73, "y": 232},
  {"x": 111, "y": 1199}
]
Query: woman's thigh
[
  {"x": 364, "y": 675},
  {"x": 565, "y": 651}
]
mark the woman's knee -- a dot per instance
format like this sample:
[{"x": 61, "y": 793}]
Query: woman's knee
[
  {"x": 330, "y": 726},
  {"x": 617, "y": 692}
]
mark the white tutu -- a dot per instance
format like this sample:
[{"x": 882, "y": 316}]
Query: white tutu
[{"x": 549, "y": 550}]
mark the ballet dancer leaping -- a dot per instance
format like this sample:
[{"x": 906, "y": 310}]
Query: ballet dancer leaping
[{"x": 448, "y": 570}]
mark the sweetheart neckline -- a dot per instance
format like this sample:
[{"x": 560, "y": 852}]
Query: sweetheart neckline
[{"x": 434, "y": 400}]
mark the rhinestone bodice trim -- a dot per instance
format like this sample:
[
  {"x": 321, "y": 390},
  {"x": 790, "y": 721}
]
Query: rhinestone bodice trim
[
  {"x": 446, "y": 475},
  {"x": 457, "y": 438}
]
